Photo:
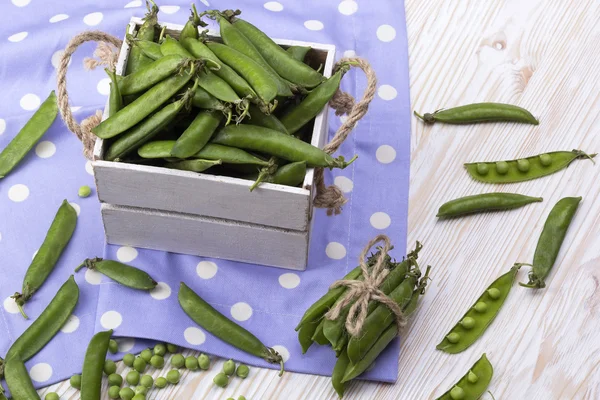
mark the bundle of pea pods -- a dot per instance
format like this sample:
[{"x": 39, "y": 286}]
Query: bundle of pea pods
[{"x": 243, "y": 107}]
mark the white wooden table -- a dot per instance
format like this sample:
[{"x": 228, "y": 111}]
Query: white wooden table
[{"x": 545, "y": 56}]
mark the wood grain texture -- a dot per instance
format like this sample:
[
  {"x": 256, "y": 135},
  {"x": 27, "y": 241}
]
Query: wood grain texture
[{"x": 540, "y": 54}]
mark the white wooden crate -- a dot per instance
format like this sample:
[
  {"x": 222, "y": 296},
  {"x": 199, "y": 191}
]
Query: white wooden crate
[{"x": 208, "y": 215}]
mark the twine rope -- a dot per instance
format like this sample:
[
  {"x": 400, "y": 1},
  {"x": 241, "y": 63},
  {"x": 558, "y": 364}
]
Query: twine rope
[{"x": 360, "y": 293}]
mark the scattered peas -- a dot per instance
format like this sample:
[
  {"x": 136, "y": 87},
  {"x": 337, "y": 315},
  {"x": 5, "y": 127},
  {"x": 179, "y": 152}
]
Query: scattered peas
[
  {"x": 203, "y": 361},
  {"x": 483, "y": 169},
  {"x": 191, "y": 363},
  {"x": 51, "y": 396},
  {"x": 140, "y": 389},
  {"x": 146, "y": 355},
  {"x": 467, "y": 322},
  {"x": 160, "y": 349},
  {"x": 494, "y": 293},
  {"x": 115, "y": 380},
  {"x": 453, "y": 337},
  {"x": 221, "y": 379},
  {"x": 113, "y": 346},
  {"x": 171, "y": 348},
  {"x": 457, "y": 393},
  {"x": 229, "y": 367},
  {"x": 160, "y": 382},
  {"x": 173, "y": 376},
  {"x": 128, "y": 359},
  {"x": 523, "y": 165},
  {"x": 178, "y": 361},
  {"x": 110, "y": 367},
  {"x": 242, "y": 371},
  {"x": 139, "y": 364},
  {"x": 241, "y": 398},
  {"x": 545, "y": 160},
  {"x": 126, "y": 393},
  {"x": 113, "y": 392},
  {"x": 157, "y": 361},
  {"x": 75, "y": 381},
  {"x": 472, "y": 377},
  {"x": 481, "y": 307},
  {"x": 139, "y": 396},
  {"x": 502, "y": 167},
  {"x": 84, "y": 191},
  {"x": 147, "y": 381},
  {"x": 133, "y": 378}
]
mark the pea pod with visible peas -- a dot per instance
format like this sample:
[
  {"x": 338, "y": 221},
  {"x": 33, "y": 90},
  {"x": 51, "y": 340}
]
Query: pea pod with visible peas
[
  {"x": 550, "y": 241},
  {"x": 524, "y": 169},
  {"x": 480, "y": 112},
  {"x": 137, "y": 58},
  {"x": 45, "y": 259},
  {"x": 222, "y": 327},
  {"x": 29, "y": 135},
  {"x": 18, "y": 381},
  {"x": 124, "y": 274},
  {"x": 197, "y": 165},
  {"x": 197, "y": 135},
  {"x": 474, "y": 384},
  {"x": 228, "y": 155},
  {"x": 93, "y": 366},
  {"x": 475, "y": 321},
  {"x": 484, "y": 202}
]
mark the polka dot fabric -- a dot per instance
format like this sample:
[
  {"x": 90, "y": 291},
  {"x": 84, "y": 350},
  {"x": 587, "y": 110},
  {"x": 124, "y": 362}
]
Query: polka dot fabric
[{"x": 267, "y": 301}]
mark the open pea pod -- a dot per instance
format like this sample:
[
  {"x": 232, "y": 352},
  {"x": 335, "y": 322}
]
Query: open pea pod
[
  {"x": 480, "y": 316},
  {"x": 474, "y": 384}
]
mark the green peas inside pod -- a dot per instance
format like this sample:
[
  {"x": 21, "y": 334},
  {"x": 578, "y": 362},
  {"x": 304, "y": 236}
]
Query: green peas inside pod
[
  {"x": 147, "y": 381},
  {"x": 161, "y": 382},
  {"x": 191, "y": 363},
  {"x": 52, "y": 396},
  {"x": 133, "y": 378},
  {"x": 75, "y": 381},
  {"x": 457, "y": 393},
  {"x": 110, "y": 367},
  {"x": 483, "y": 169},
  {"x": 481, "y": 307},
  {"x": 173, "y": 376},
  {"x": 128, "y": 359},
  {"x": 523, "y": 165},
  {"x": 157, "y": 361},
  {"x": 494, "y": 293},
  {"x": 545, "y": 160},
  {"x": 502, "y": 167},
  {"x": 126, "y": 393},
  {"x": 229, "y": 367},
  {"x": 113, "y": 392},
  {"x": 178, "y": 361},
  {"x": 468, "y": 322},
  {"x": 221, "y": 379},
  {"x": 115, "y": 380},
  {"x": 453, "y": 337},
  {"x": 472, "y": 377}
]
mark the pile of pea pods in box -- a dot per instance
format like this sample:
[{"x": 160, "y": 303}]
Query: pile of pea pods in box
[{"x": 208, "y": 214}]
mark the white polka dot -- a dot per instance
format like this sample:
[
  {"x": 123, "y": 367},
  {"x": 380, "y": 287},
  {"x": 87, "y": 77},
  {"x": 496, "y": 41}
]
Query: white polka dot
[
  {"x": 387, "y": 92},
  {"x": 17, "y": 37},
  {"x": 386, "y": 33},
  {"x": 289, "y": 280},
  {"x": 241, "y": 311},
  {"x": 385, "y": 154},
  {"x": 76, "y": 207},
  {"x": 93, "y": 19},
  {"x": 313, "y": 25},
  {"x": 205, "y": 2},
  {"x": 161, "y": 291},
  {"x": 348, "y": 7},
  {"x": 344, "y": 183},
  {"x": 194, "y": 336},
  {"x": 71, "y": 325},
  {"x": 58, "y": 18},
  {"x": 2, "y": 126},
  {"x": 350, "y": 53},
  {"x": 125, "y": 344},
  {"x": 206, "y": 269},
  {"x": 335, "y": 250},
  {"x": 21, "y": 3},
  {"x": 111, "y": 320},
  {"x": 93, "y": 277},
  {"x": 41, "y": 372},
  {"x": 283, "y": 352},
  {"x": 45, "y": 149},
  {"x": 104, "y": 86},
  {"x": 274, "y": 6},
  {"x": 133, "y": 4},
  {"x": 30, "y": 102},
  {"x": 126, "y": 254},
  {"x": 76, "y": 108},
  {"x": 380, "y": 220},
  {"x": 18, "y": 193},
  {"x": 169, "y": 9},
  {"x": 88, "y": 168},
  {"x": 10, "y": 306}
]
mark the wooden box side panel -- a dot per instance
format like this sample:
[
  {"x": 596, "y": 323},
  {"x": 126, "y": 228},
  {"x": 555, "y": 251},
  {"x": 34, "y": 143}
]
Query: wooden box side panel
[{"x": 208, "y": 237}]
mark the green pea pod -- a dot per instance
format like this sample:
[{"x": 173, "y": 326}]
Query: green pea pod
[
  {"x": 137, "y": 58},
  {"x": 195, "y": 137},
  {"x": 190, "y": 30},
  {"x": 228, "y": 155},
  {"x": 355, "y": 369},
  {"x": 45, "y": 259},
  {"x": 124, "y": 274},
  {"x": 480, "y": 112},
  {"x": 115, "y": 101},
  {"x": 484, "y": 202},
  {"x": 285, "y": 65},
  {"x": 151, "y": 74},
  {"x": 305, "y": 334},
  {"x": 339, "y": 370},
  {"x": 203, "y": 99},
  {"x": 290, "y": 174},
  {"x": 197, "y": 165},
  {"x": 29, "y": 135},
  {"x": 223, "y": 328},
  {"x": 298, "y": 52},
  {"x": 319, "y": 336},
  {"x": 259, "y": 118},
  {"x": 314, "y": 103},
  {"x": 474, "y": 384},
  {"x": 43, "y": 329},
  {"x": 550, "y": 241},
  {"x": 18, "y": 381},
  {"x": 140, "y": 108},
  {"x": 93, "y": 366},
  {"x": 475, "y": 321},
  {"x": 148, "y": 48},
  {"x": 278, "y": 144}
]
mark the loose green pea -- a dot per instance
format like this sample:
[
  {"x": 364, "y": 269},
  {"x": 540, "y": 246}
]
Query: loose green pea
[
  {"x": 545, "y": 160},
  {"x": 472, "y": 377},
  {"x": 178, "y": 361},
  {"x": 160, "y": 382},
  {"x": 191, "y": 363},
  {"x": 113, "y": 346},
  {"x": 51, "y": 396},
  {"x": 139, "y": 364},
  {"x": 241, "y": 398},
  {"x": 147, "y": 381},
  {"x": 173, "y": 376},
  {"x": 113, "y": 392},
  {"x": 139, "y": 396},
  {"x": 171, "y": 348},
  {"x": 157, "y": 361},
  {"x": 467, "y": 322},
  {"x": 126, "y": 393},
  {"x": 229, "y": 367},
  {"x": 140, "y": 389},
  {"x": 133, "y": 378},
  {"x": 242, "y": 371},
  {"x": 146, "y": 355},
  {"x": 494, "y": 293},
  {"x": 110, "y": 367},
  {"x": 480, "y": 307},
  {"x": 115, "y": 380},
  {"x": 75, "y": 381},
  {"x": 204, "y": 361},
  {"x": 160, "y": 349},
  {"x": 523, "y": 165},
  {"x": 221, "y": 380},
  {"x": 457, "y": 393},
  {"x": 483, "y": 169},
  {"x": 453, "y": 337},
  {"x": 502, "y": 167},
  {"x": 128, "y": 359},
  {"x": 84, "y": 191}
]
